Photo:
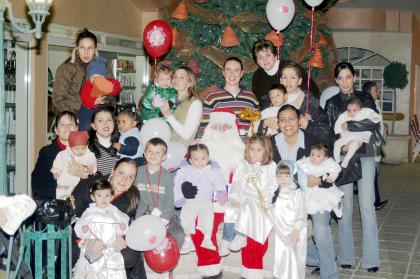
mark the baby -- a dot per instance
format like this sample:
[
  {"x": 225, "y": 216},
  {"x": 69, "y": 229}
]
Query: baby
[
  {"x": 319, "y": 164},
  {"x": 208, "y": 178},
  {"x": 159, "y": 90},
  {"x": 268, "y": 123},
  {"x": 355, "y": 112},
  {"x": 77, "y": 151}
]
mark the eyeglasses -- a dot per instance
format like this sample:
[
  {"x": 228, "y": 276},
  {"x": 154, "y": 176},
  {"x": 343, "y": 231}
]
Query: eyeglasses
[{"x": 283, "y": 120}]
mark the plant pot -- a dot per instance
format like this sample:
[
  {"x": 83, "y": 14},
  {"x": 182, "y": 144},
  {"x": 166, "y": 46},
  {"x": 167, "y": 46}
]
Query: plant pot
[{"x": 395, "y": 149}]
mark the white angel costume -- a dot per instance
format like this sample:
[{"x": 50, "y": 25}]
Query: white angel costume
[
  {"x": 65, "y": 181},
  {"x": 353, "y": 139},
  {"x": 290, "y": 214},
  {"x": 104, "y": 224},
  {"x": 253, "y": 187},
  {"x": 319, "y": 199}
]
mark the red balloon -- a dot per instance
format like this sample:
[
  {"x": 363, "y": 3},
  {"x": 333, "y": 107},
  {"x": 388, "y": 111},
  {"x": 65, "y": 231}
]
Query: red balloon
[
  {"x": 157, "y": 38},
  {"x": 165, "y": 257}
]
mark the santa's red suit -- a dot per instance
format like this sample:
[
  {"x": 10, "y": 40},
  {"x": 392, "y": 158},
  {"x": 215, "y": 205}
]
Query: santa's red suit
[{"x": 226, "y": 148}]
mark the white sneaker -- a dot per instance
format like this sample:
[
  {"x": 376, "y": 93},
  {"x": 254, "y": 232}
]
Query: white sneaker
[
  {"x": 188, "y": 246},
  {"x": 208, "y": 244},
  {"x": 237, "y": 243},
  {"x": 224, "y": 249}
]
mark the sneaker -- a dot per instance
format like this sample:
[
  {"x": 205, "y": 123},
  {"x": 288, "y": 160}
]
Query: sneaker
[
  {"x": 238, "y": 243},
  {"x": 208, "y": 244},
  {"x": 187, "y": 247},
  {"x": 224, "y": 248}
]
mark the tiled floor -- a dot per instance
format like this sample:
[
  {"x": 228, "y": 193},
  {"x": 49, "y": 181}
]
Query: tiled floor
[{"x": 399, "y": 227}]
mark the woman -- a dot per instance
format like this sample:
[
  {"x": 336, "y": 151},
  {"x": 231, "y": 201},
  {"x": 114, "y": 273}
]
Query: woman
[
  {"x": 71, "y": 75},
  {"x": 313, "y": 118},
  {"x": 345, "y": 77},
  {"x": 43, "y": 183},
  {"x": 293, "y": 144},
  {"x": 187, "y": 116},
  {"x": 126, "y": 199}
]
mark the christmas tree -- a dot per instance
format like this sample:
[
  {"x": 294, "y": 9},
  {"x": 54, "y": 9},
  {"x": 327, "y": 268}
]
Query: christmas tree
[{"x": 199, "y": 27}]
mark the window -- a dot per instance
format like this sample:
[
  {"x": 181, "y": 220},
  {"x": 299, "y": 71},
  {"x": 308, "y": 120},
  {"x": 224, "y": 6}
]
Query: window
[{"x": 369, "y": 66}]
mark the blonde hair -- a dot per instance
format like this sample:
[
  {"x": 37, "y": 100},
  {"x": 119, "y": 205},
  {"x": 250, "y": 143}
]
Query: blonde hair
[
  {"x": 192, "y": 90},
  {"x": 265, "y": 143}
]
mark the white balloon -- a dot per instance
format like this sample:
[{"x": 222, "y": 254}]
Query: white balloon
[
  {"x": 146, "y": 233},
  {"x": 155, "y": 128},
  {"x": 175, "y": 155},
  {"x": 313, "y": 3},
  {"x": 280, "y": 13}
]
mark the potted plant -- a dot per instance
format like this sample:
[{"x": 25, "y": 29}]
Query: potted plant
[{"x": 395, "y": 150}]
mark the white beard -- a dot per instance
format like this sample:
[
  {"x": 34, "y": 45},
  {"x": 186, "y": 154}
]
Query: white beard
[{"x": 226, "y": 148}]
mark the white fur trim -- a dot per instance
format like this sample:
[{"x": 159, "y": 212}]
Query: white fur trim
[
  {"x": 251, "y": 273},
  {"x": 210, "y": 270},
  {"x": 223, "y": 117}
]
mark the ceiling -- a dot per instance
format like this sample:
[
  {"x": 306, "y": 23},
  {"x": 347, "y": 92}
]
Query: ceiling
[{"x": 400, "y": 5}]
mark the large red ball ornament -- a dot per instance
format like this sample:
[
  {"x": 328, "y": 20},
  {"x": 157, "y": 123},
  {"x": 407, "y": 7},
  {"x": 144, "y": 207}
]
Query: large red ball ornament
[
  {"x": 165, "y": 257},
  {"x": 157, "y": 38}
]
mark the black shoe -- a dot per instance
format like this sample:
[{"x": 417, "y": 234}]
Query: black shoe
[
  {"x": 380, "y": 205},
  {"x": 316, "y": 271},
  {"x": 373, "y": 269},
  {"x": 346, "y": 266}
]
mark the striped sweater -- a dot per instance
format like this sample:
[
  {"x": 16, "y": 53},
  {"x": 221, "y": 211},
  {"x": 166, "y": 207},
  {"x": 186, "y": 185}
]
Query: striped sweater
[{"x": 221, "y": 99}]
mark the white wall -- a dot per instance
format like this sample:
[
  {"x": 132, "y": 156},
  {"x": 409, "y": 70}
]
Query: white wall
[{"x": 391, "y": 45}]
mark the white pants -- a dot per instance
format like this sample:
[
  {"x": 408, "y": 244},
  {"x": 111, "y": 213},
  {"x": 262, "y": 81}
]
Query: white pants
[{"x": 203, "y": 210}]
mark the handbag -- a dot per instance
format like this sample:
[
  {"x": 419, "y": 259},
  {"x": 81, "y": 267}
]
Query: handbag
[
  {"x": 351, "y": 174},
  {"x": 55, "y": 211}
]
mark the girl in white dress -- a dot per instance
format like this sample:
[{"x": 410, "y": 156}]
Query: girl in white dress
[
  {"x": 319, "y": 164},
  {"x": 291, "y": 226},
  {"x": 252, "y": 191},
  {"x": 105, "y": 222}
]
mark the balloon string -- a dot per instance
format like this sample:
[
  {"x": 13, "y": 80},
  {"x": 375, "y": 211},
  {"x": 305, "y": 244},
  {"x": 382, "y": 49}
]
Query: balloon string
[
  {"x": 309, "y": 86},
  {"x": 278, "y": 52},
  {"x": 312, "y": 28},
  {"x": 154, "y": 88},
  {"x": 312, "y": 49}
]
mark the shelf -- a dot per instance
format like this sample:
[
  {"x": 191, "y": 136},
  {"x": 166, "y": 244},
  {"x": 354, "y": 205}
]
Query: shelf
[
  {"x": 126, "y": 71},
  {"x": 10, "y": 105}
]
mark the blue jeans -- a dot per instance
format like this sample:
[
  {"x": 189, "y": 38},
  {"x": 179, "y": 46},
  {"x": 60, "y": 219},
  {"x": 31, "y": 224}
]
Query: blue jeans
[
  {"x": 323, "y": 254},
  {"x": 370, "y": 243}
]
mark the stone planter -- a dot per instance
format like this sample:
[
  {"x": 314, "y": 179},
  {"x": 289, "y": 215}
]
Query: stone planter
[{"x": 395, "y": 150}]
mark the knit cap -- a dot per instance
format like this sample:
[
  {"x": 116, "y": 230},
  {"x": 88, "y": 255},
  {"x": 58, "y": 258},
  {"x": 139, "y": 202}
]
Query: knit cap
[
  {"x": 96, "y": 67},
  {"x": 78, "y": 138}
]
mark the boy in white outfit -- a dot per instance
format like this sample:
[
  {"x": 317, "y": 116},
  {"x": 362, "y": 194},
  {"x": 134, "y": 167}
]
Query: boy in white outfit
[{"x": 353, "y": 140}]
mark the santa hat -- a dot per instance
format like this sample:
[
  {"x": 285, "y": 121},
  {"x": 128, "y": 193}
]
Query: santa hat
[
  {"x": 78, "y": 138},
  {"x": 224, "y": 116},
  {"x": 16, "y": 209}
]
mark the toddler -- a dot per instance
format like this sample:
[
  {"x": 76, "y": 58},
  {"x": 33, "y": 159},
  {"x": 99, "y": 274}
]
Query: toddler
[
  {"x": 101, "y": 222},
  {"x": 319, "y": 164},
  {"x": 355, "y": 112},
  {"x": 159, "y": 90},
  {"x": 129, "y": 144},
  {"x": 291, "y": 226},
  {"x": 77, "y": 151},
  {"x": 95, "y": 91},
  {"x": 268, "y": 124},
  {"x": 208, "y": 179},
  {"x": 252, "y": 191}
]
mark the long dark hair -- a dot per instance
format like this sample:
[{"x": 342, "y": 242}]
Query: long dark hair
[
  {"x": 93, "y": 139},
  {"x": 86, "y": 34},
  {"x": 341, "y": 66},
  {"x": 133, "y": 194}
]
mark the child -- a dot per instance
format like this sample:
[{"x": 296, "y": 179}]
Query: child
[
  {"x": 355, "y": 112},
  {"x": 208, "y": 178},
  {"x": 103, "y": 222},
  {"x": 95, "y": 91},
  {"x": 159, "y": 90},
  {"x": 318, "y": 164},
  {"x": 252, "y": 190},
  {"x": 290, "y": 215},
  {"x": 129, "y": 144},
  {"x": 268, "y": 125},
  {"x": 79, "y": 152}
]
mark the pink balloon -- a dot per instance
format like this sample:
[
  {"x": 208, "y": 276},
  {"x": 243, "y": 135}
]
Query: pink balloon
[{"x": 280, "y": 13}]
